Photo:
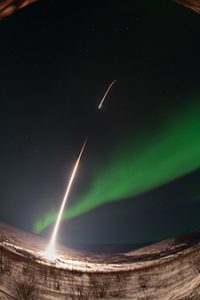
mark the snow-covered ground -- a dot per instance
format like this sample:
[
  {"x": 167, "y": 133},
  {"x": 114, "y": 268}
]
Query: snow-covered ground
[{"x": 166, "y": 270}]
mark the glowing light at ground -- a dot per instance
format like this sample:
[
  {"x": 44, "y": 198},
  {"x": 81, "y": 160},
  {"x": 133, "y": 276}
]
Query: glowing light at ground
[{"x": 50, "y": 251}]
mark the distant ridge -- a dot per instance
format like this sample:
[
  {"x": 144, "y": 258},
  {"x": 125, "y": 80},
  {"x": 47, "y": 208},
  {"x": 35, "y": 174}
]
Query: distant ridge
[{"x": 109, "y": 248}]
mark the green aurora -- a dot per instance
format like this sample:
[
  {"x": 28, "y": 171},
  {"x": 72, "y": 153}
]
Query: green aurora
[{"x": 146, "y": 163}]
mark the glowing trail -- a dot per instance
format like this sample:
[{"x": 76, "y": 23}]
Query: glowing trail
[
  {"x": 50, "y": 252},
  {"x": 106, "y": 93}
]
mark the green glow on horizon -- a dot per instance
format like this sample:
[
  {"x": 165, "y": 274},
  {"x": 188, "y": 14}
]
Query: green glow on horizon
[{"x": 171, "y": 152}]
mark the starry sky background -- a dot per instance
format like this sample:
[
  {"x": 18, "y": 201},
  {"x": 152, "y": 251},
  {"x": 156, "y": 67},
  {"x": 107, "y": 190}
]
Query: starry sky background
[{"x": 56, "y": 61}]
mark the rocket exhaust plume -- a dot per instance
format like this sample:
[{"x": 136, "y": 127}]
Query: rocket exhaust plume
[
  {"x": 50, "y": 251},
  {"x": 7, "y": 7},
  {"x": 106, "y": 93}
]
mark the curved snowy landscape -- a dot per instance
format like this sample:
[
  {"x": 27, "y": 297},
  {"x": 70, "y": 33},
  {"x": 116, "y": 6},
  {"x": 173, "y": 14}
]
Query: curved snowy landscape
[{"x": 166, "y": 270}]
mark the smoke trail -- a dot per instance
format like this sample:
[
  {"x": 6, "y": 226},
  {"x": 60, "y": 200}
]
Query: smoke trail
[
  {"x": 105, "y": 95},
  {"x": 51, "y": 248},
  {"x": 192, "y": 4},
  {"x": 173, "y": 152},
  {"x": 7, "y": 7}
]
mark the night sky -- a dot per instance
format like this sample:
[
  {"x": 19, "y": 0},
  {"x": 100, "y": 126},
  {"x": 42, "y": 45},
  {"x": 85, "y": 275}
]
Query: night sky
[{"x": 56, "y": 62}]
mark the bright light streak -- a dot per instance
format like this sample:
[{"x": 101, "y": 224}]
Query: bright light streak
[
  {"x": 50, "y": 251},
  {"x": 106, "y": 93}
]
